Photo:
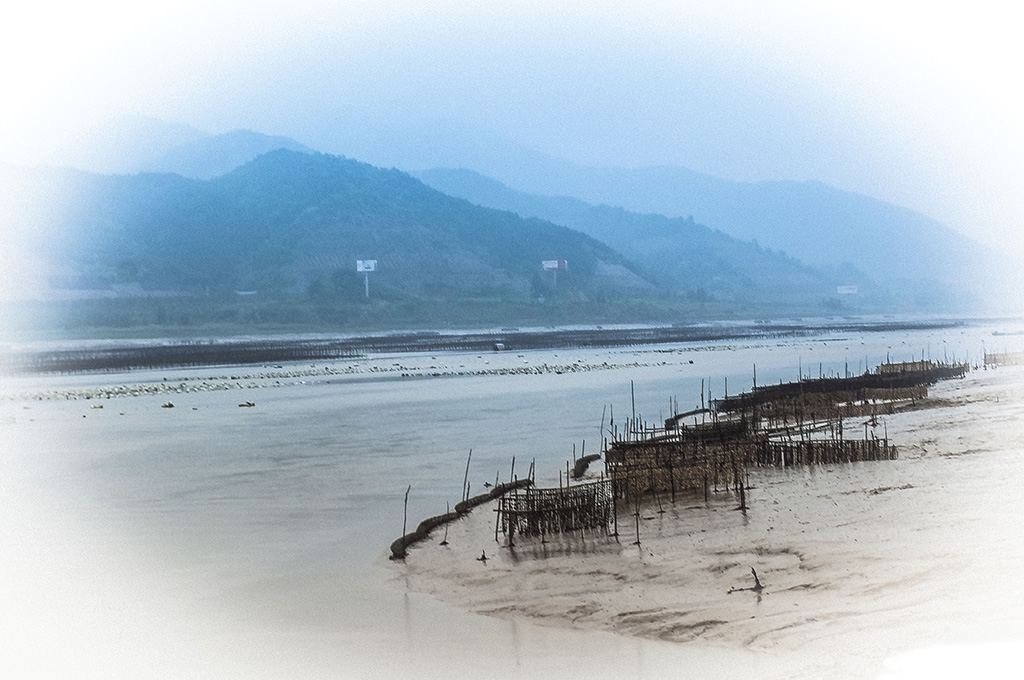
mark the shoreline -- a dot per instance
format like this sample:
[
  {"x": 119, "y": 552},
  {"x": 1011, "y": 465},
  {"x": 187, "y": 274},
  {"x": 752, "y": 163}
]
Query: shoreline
[
  {"x": 859, "y": 562},
  {"x": 99, "y": 357},
  {"x": 271, "y": 522},
  {"x": 374, "y": 372}
]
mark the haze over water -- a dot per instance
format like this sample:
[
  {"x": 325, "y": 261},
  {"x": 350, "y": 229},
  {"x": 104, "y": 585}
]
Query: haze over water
[{"x": 215, "y": 541}]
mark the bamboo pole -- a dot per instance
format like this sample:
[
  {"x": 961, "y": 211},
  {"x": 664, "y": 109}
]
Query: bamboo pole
[
  {"x": 465, "y": 478},
  {"x": 405, "y": 511}
]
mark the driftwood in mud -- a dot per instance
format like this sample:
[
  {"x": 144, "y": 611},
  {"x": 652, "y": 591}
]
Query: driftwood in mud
[{"x": 757, "y": 587}]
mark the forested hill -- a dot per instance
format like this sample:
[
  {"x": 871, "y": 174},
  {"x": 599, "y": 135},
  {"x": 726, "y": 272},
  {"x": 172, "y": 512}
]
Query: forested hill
[
  {"x": 678, "y": 251},
  {"x": 810, "y": 238},
  {"x": 294, "y": 224},
  {"x": 818, "y": 224}
]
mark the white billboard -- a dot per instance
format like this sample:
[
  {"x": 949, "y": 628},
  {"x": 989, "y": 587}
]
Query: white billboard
[
  {"x": 366, "y": 265},
  {"x": 846, "y": 290},
  {"x": 557, "y": 265}
]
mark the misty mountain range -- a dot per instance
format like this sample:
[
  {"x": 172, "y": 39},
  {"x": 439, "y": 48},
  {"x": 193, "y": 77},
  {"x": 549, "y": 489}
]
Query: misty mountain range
[
  {"x": 286, "y": 218},
  {"x": 673, "y": 250},
  {"x": 165, "y": 207},
  {"x": 131, "y": 144},
  {"x": 818, "y": 224}
]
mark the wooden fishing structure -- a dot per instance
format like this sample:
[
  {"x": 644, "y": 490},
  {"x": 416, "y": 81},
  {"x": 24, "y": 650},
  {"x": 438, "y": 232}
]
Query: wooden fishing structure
[
  {"x": 822, "y": 451},
  {"x": 995, "y": 359},
  {"x": 797, "y": 423},
  {"x": 532, "y": 511},
  {"x": 790, "y": 424},
  {"x": 889, "y": 381},
  {"x": 673, "y": 461}
]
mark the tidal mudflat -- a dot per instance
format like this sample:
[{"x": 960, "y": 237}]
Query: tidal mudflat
[
  {"x": 211, "y": 540},
  {"x": 857, "y": 561}
]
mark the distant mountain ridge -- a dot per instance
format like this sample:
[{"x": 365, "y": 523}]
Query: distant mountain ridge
[
  {"x": 679, "y": 252},
  {"x": 292, "y": 222},
  {"x": 242, "y": 210},
  {"x": 127, "y": 145},
  {"x": 820, "y": 225},
  {"x": 847, "y": 235},
  {"x": 220, "y": 154}
]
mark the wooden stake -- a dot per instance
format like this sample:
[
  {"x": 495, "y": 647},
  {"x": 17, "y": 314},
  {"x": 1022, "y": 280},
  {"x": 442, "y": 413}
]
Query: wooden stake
[
  {"x": 511, "y": 529},
  {"x": 465, "y": 479},
  {"x": 615, "y": 511},
  {"x": 497, "y": 519},
  {"x": 405, "y": 512},
  {"x": 447, "y": 510},
  {"x": 632, "y": 398},
  {"x": 637, "y": 517}
]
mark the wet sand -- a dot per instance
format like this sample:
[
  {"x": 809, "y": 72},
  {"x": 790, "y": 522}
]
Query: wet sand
[
  {"x": 859, "y": 562},
  {"x": 212, "y": 541}
]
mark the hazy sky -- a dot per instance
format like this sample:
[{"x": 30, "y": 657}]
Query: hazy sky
[{"x": 918, "y": 103}]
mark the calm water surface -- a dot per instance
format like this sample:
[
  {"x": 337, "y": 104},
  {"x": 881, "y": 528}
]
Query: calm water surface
[{"x": 210, "y": 540}]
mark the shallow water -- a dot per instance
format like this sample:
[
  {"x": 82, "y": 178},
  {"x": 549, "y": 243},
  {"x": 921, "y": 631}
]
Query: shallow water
[{"x": 210, "y": 540}]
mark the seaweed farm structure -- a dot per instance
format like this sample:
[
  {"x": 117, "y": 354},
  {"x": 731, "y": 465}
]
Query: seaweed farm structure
[
  {"x": 532, "y": 511},
  {"x": 796, "y": 423},
  {"x": 882, "y": 383},
  {"x": 799, "y": 423},
  {"x": 996, "y": 359}
]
